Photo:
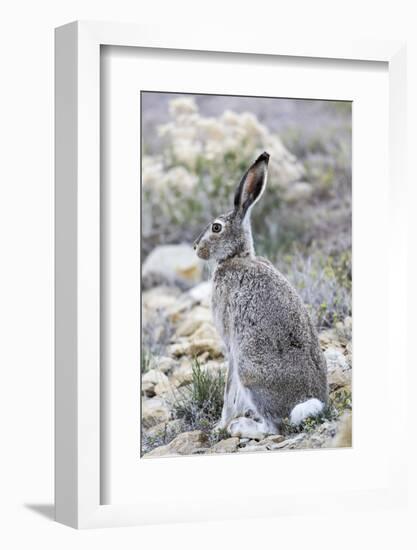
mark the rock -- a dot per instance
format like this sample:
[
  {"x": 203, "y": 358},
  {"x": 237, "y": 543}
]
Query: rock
[
  {"x": 188, "y": 327},
  {"x": 179, "y": 349},
  {"x": 203, "y": 357},
  {"x": 322, "y": 428},
  {"x": 330, "y": 338},
  {"x": 199, "y": 313},
  {"x": 148, "y": 389},
  {"x": 164, "y": 427},
  {"x": 154, "y": 382},
  {"x": 201, "y": 292},
  {"x": 338, "y": 378},
  {"x": 172, "y": 262},
  {"x": 206, "y": 331},
  {"x": 335, "y": 359},
  {"x": 158, "y": 298},
  {"x": 182, "y": 375},
  {"x": 343, "y": 436},
  {"x": 272, "y": 439},
  {"x": 201, "y": 451},
  {"x": 154, "y": 376},
  {"x": 163, "y": 388},
  {"x": 344, "y": 329},
  {"x": 196, "y": 347},
  {"x": 276, "y": 446},
  {"x": 154, "y": 411},
  {"x": 184, "y": 444},
  {"x": 252, "y": 448},
  {"x": 288, "y": 443},
  {"x": 165, "y": 364},
  {"x": 226, "y": 445},
  {"x": 149, "y": 381},
  {"x": 325, "y": 337},
  {"x": 181, "y": 307}
]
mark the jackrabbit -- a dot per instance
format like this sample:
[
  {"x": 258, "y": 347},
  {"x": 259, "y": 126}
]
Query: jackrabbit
[{"x": 276, "y": 367}]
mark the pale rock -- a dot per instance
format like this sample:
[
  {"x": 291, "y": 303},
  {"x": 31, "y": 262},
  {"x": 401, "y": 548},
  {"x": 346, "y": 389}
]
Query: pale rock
[
  {"x": 186, "y": 362},
  {"x": 164, "y": 388},
  {"x": 338, "y": 378},
  {"x": 151, "y": 380},
  {"x": 344, "y": 433},
  {"x": 201, "y": 451},
  {"x": 329, "y": 338},
  {"x": 183, "y": 375},
  {"x": 174, "y": 261},
  {"x": 287, "y": 443},
  {"x": 206, "y": 331},
  {"x": 158, "y": 298},
  {"x": 200, "y": 313},
  {"x": 184, "y": 444},
  {"x": 196, "y": 347},
  {"x": 325, "y": 337},
  {"x": 166, "y": 364},
  {"x": 179, "y": 349},
  {"x": 188, "y": 327},
  {"x": 154, "y": 411},
  {"x": 272, "y": 439},
  {"x": 148, "y": 389},
  {"x": 252, "y": 448},
  {"x": 323, "y": 427},
  {"x": 176, "y": 311},
  {"x": 162, "y": 427},
  {"x": 212, "y": 346},
  {"x": 154, "y": 376},
  {"x": 344, "y": 330},
  {"x": 201, "y": 292},
  {"x": 229, "y": 445},
  {"x": 335, "y": 359}
]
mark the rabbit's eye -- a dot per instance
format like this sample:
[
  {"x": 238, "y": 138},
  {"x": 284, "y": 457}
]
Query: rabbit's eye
[{"x": 216, "y": 227}]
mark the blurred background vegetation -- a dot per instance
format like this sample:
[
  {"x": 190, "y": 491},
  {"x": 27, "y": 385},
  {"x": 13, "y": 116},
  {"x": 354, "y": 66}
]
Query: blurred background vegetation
[{"x": 195, "y": 149}]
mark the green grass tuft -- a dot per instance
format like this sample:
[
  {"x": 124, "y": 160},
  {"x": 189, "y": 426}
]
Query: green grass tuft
[{"x": 200, "y": 403}]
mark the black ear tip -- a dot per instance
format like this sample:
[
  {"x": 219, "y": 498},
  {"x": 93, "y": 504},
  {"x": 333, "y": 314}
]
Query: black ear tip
[{"x": 263, "y": 158}]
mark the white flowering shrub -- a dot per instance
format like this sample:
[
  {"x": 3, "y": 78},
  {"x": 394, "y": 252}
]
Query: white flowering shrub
[{"x": 200, "y": 162}]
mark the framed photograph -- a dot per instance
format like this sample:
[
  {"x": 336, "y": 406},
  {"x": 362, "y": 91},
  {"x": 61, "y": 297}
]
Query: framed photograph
[{"x": 228, "y": 213}]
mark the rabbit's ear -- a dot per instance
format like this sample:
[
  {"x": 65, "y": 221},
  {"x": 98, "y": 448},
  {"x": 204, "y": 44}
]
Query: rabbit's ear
[{"x": 252, "y": 185}]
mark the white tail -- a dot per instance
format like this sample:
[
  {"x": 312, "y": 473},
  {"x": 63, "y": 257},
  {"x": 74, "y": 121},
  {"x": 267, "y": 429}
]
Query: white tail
[{"x": 311, "y": 407}]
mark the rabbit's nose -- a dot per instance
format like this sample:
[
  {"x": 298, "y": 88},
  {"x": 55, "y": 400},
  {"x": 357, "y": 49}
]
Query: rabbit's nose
[{"x": 195, "y": 245}]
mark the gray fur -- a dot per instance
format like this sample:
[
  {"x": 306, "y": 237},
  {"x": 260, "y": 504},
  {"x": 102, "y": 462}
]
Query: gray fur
[{"x": 275, "y": 360}]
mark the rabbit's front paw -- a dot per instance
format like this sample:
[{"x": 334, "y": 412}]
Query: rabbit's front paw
[{"x": 246, "y": 427}]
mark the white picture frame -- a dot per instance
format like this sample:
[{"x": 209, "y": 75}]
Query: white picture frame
[{"x": 77, "y": 245}]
